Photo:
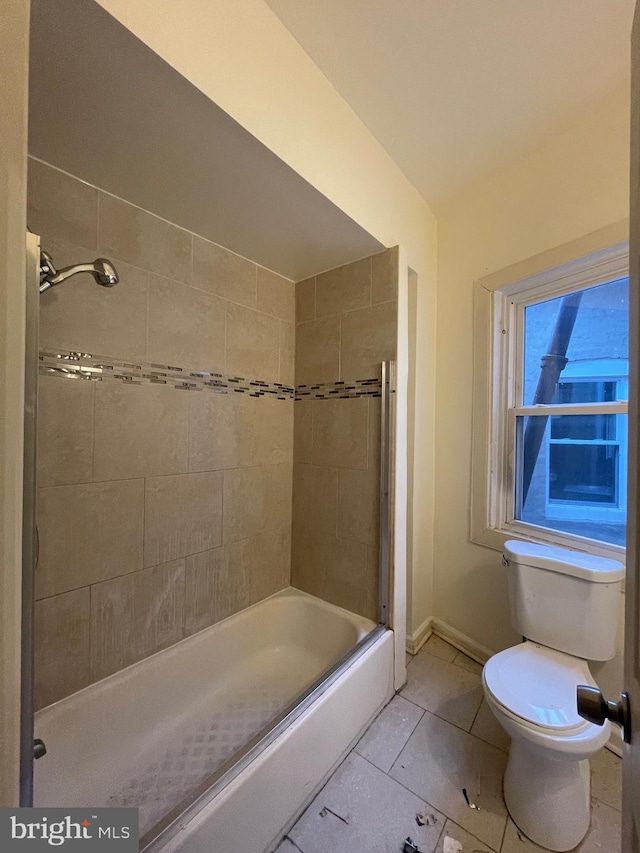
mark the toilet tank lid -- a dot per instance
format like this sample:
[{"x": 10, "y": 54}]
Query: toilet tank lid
[{"x": 566, "y": 562}]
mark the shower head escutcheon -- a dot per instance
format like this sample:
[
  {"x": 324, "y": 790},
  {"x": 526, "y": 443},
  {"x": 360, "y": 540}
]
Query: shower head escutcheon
[{"x": 101, "y": 269}]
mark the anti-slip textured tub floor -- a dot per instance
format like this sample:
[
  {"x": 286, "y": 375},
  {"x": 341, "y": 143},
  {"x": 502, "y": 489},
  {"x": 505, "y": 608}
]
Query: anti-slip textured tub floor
[{"x": 178, "y": 759}]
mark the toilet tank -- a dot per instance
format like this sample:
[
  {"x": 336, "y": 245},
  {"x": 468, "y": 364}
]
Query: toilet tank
[{"x": 563, "y": 599}]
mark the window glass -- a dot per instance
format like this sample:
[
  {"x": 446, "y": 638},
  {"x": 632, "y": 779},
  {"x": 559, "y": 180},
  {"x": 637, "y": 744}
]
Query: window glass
[{"x": 599, "y": 331}]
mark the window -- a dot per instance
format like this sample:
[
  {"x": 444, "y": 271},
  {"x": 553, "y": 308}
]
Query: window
[{"x": 556, "y": 426}]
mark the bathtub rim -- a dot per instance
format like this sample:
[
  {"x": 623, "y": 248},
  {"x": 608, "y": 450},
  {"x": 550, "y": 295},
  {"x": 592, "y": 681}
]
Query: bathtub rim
[{"x": 166, "y": 829}]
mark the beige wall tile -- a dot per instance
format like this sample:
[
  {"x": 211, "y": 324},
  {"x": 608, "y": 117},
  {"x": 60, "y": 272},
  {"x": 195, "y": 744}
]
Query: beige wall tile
[
  {"x": 88, "y": 533},
  {"x": 306, "y": 300},
  {"x": 142, "y": 239},
  {"x": 220, "y": 271},
  {"x": 315, "y": 499},
  {"x": 317, "y": 351},
  {"x": 272, "y": 427},
  {"x": 79, "y": 315},
  {"x": 384, "y": 276},
  {"x": 307, "y": 572},
  {"x": 186, "y": 326},
  {"x": 269, "y": 561},
  {"x": 339, "y": 433},
  {"x": 220, "y": 430},
  {"x": 302, "y": 431},
  {"x": 217, "y": 585},
  {"x": 183, "y": 515},
  {"x": 140, "y": 431},
  {"x": 61, "y": 646},
  {"x": 372, "y": 583},
  {"x": 346, "y": 574},
  {"x": 135, "y": 616},
  {"x": 65, "y": 430},
  {"x": 343, "y": 289},
  {"x": 256, "y": 500},
  {"x": 61, "y": 207},
  {"x": 368, "y": 337},
  {"x": 253, "y": 344},
  {"x": 359, "y": 505},
  {"x": 287, "y": 353},
  {"x": 276, "y": 295}
]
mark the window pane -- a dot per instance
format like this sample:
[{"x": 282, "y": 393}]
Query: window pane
[
  {"x": 568, "y": 479},
  {"x": 583, "y": 427},
  {"x": 597, "y": 345},
  {"x": 583, "y": 473}
]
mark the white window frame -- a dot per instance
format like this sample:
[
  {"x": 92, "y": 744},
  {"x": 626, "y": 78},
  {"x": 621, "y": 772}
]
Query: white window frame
[{"x": 497, "y": 387}]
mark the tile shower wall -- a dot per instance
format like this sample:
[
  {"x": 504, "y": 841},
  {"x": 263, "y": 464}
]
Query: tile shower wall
[
  {"x": 346, "y": 324},
  {"x": 161, "y": 510}
]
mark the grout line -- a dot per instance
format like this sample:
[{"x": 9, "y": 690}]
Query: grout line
[{"x": 291, "y": 841}]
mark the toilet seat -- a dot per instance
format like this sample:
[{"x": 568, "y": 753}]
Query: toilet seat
[{"x": 536, "y": 686}]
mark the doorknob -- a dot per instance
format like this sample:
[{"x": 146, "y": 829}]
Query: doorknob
[{"x": 594, "y": 707}]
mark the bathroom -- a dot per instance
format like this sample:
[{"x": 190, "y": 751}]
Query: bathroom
[{"x": 453, "y": 586}]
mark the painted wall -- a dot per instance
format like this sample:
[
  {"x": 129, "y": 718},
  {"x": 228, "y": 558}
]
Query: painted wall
[
  {"x": 574, "y": 184},
  {"x": 240, "y": 55}
]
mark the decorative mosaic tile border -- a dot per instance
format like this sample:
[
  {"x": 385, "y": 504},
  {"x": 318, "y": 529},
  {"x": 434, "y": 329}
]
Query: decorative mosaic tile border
[
  {"x": 340, "y": 390},
  {"x": 99, "y": 368}
]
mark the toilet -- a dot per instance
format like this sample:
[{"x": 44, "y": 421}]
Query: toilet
[{"x": 565, "y": 604}]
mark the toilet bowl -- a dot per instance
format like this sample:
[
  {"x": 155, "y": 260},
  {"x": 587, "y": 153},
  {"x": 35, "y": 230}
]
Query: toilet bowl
[
  {"x": 565, "y": 605},
  {"x": 531, "y": 691}
]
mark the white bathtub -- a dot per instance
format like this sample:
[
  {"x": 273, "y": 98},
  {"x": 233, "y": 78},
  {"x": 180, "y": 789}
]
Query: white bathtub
[{"x": 150, "y": 735}]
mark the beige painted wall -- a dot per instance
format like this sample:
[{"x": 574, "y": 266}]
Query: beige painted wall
[
  {"x": 13, "y": 198},
  {"x": 240, "y": 55},
  {"x": 573, "y": 185}
]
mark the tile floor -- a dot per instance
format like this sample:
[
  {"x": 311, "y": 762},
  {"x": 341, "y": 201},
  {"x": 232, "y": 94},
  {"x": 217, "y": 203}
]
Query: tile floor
[{"x": 433, "y": 739}]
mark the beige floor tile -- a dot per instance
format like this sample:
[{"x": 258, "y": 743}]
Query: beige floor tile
[
  {"x": 383, "y": 741},
  {"x": 469, "y": 843},
  {"x": 439, "y": 648},
  {"x": 467, "y": 663},
  {"x": 375, "y": 813},
  {"x": 439, "y": 760},
  {"x": 606, "y": 778},
  {"x": 604, "y": 835},
  {"x": 444, "y": 689},
  {"x": 487, "y": 728}
]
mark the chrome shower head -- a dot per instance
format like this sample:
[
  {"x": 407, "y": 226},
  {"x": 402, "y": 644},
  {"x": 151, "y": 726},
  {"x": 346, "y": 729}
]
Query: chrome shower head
[{"x": 101, "y": 269}]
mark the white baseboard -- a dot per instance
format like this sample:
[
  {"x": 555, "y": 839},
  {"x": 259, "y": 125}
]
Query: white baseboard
[
  {"x": 461, "y": 641},
  {"x": 420, "y": 636}
]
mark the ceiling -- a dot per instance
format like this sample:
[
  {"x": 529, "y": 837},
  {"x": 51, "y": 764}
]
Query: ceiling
[
  {"x": 124, "y": 120},
  {"x": 451, "y": 88}
]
